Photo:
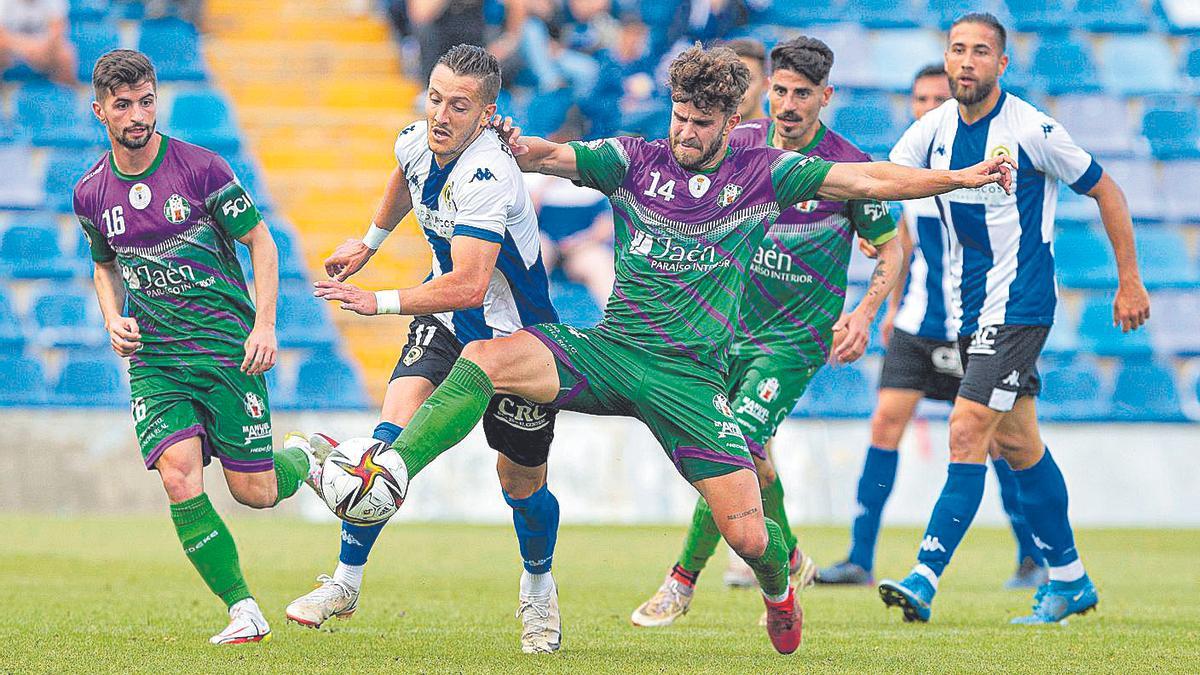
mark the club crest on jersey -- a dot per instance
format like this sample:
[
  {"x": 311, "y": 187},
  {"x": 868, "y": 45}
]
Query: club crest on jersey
[
  {"x": 139, "y": 196},
  {"x": 729, "y": 194},
  {"x": 722, "y": 405},
  {"x": 177, "y": 209},
  {"x": 413, "y": 355},
  {"x": 768, "y": 389},
  {"x": 807, "y": 206},
  {"x": 255, "y": 406},
  {"x": 1000, "y": 151},
  {"x": 698, "y": 185},
  {"x": 448, "y": 195}
]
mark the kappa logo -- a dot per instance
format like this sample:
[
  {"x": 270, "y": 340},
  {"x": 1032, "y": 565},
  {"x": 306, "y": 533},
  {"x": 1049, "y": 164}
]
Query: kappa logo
[
  {"x": 255, "y": 406},
  {"x": 983, "y": 341},
  {"x": 768, "y": 389},
  {"x": 931, "y": 544},
  {"x": 350, "y": 539},
  {"x": 482, "y": 174},
  {"x": 941, "y": 150},
  {"x": 1041, "y": 544},
  {"x": 698, "y": 185},
  {"x": 1013, "y": 379},
  {"x": 729, "y": 194},
  {"x": 722, "y": 405},
  {"x": 408, "y": 128},
  {"x": 1046, "y": 129},
  {"x": 413, "y": 355}
]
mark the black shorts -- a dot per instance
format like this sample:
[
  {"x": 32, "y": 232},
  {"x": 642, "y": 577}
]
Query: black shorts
[
  {"x": 515, "y": 427},
  {"x": 1000, "y": 364},
  {"x": 932, "y": 367}
]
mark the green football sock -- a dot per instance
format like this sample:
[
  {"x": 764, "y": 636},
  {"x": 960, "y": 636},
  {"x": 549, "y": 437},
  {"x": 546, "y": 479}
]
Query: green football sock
[
  {"x": 702, "y": 538},
  {"x": 771, "y": 568},
  {"x": 772, "y": 496},
  {"x": 209, "y": 545},
  {"x": 446, "y": 417},
  {"x": 291, "y": 468}
]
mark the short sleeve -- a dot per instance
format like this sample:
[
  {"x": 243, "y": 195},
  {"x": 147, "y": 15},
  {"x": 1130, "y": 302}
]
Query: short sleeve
[
  {"x": 872, "y": 220},
  {"x": 409, "y": 143},
  {"x": 483, "y": 202},
  {"x": 912, "y": 150},
  {"x": 796, "y": 178},
  {"x": 97, "y": 244},
  {"x": 1054, "y": 152},
  {"x": 602, "y": 164},
  {"x": 227, "y": 201}
]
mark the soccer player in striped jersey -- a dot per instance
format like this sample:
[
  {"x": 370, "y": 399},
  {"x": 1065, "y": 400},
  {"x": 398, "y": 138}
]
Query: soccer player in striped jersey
[
  {"x": 690, "y": 213},
  {"x": 1002, "y": 267},
  {"x": 162, "y": 217},
  {"x": 791, "y": 312},
  {"x": 487, "y": 281},
  {"x": 921, "y": 361}
]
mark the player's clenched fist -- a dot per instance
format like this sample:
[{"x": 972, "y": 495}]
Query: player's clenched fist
[
  {"x": 124, "y": 336},
  {"x": 353, "y": 299},
  {"x": 347, "y": 259}
]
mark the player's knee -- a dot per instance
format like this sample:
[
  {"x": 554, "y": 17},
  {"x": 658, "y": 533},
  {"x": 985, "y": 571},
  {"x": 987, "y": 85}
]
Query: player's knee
[
  {"x": 519, "y": 482},
  {"x": 1019, "y": 450},
  {"x": 256, "y": 494},
  {"x": 179, "y": 485},
  {"x": 968, "y": 438},
  {"x": 887, "y": 427},
  {"x": 747, "y": 541},
  {"x": 484, "y": 354}
]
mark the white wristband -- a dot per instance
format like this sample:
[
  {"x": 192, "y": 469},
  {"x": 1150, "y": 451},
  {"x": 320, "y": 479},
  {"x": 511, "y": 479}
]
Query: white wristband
[
  {"x": 387, "y": 302},
  {"x": 375, "y": 236}
]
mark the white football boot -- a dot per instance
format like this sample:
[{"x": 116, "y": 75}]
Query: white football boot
[
  {"x": 541, "y": 623},
  {"x": 246, "y": 624},
  {"x": 670, "y": 602},
  {"x": 737, "y": 573},
  {"x": 331, "y": 598}
]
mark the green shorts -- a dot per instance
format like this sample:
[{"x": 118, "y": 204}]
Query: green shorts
[
  {"x": 682, "y": 402},
  {"x": 225, "y": 407},
  {"x": 763, "y": 390}
]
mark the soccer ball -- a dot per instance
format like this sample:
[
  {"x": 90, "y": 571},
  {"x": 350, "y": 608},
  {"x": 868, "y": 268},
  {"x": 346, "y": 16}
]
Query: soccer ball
[{"x": 363, "y": 481}]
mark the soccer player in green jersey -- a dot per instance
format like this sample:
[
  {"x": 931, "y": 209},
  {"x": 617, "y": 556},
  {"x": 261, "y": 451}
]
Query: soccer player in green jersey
[
  {"x": 162, "y": 216},
  {"x": 691, "y": 212},
  {"x": 791, "y": 312}
]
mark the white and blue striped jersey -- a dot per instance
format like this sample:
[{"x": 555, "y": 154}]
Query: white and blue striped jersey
[
  {"x": 480, "y": 194},
  {"x": 926, "y": 309},
  {"x": 1001, "y": 251}
]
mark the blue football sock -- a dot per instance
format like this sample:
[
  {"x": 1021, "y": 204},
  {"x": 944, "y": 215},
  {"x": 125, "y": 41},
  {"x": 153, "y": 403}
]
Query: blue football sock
[
  {"x": 535, "y": 519},
  {"x": 1044, "y": 500},
  {"x": 952, "y": 515},
  {"x": 1010, "y": 496},
  {"x": 357, "y": 540},
  {"x": 874, "y": 487}
]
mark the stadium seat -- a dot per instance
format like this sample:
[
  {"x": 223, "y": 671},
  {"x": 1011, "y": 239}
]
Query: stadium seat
[
  {"x": 303, "y": 320},
  {"x": 1173, "y": 134},
  {"x": 574, "y": 304},
  {"x": 1180, "y": 15},
  {"x": 871, "y": 127},
  {"x": 1039, "y": 16},
  {"x": 88, "y": 381},
  {"x": 1139, "y": 181},
  {"x": 12, "y": 335},
  {"x": 291, "y": 263},
  {"x": 882, "y": 13},
  {"x": 22, "y": 187},
  {"x": 54, "y": 115},
  {"x": 1083, "y": 259},
  {"x": 1061, "y": 65},
  {"x": 1145, "y": 391},
  {"x": 33, "y": 253},
  {"x": 1179, "y": 204},
  {"x": 62, "y": 320},
  {"x": 325, "y": 381},
  {"x": 799, "y": 14},
  {"x": 246, "y": 170},
  {"x": 92, "y": 39},
  {"x": 853, "y": 67},
  {"x": 1112, "y": 16},
  {"x": 202, "y": 117},
  {"x": 942, "y": 13},
  {"x": 89, "y": 10},
  {"x": 1098, "y": 335},
  {"x": 1064, "y": 336},
  {"x": 63, "y": 170},
  {"x": 1073, "y": 391},
  {"x": 844, "y": 391},
  {"x": 174, "y": 47},
  {"x": 1191, "y": 66},
  {"x": 22, "y": 381},
  {"x": 1163, "y": 259},
  {"x": 1099, "y": 123},
  {"x": 1176, "y": 316},
  {"x": 897, "y": 55},
  {"x": 1135, "y": 65}
]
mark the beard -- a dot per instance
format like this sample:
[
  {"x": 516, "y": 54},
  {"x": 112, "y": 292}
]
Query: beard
[
  {"x": 971, "y": 96},
  {"x": 706, "y": 154},
  {"x": 135, "y": 143}
]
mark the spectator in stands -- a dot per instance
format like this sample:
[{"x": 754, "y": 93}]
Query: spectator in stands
[
  {"x": 754, "y": 55},
  {"x": 34, "y": 33},
  {"x": 191, "y": 11},
  {"x": 553, "y": 64},
  {"x": 438, "y": 25}
]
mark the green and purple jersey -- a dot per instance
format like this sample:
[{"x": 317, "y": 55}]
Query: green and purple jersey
[
  {"x": 797, "y": 285},
  {"x": 172, "y": 229},
  {"x": 685, "y": 240}
]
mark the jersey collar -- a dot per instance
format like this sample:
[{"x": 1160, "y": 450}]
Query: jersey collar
[
  {"x": 988, "y": 117},
  {"x": 162, "y": 152}
]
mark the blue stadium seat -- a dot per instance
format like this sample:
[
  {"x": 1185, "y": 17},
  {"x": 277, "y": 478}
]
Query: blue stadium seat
[
  {"x": 1176, "y": 316},
  {"x": 897, "y": 55},
  {"x": 174, "y": 47},
  {"x": 62, "y": 320},
  {"x": 1145, "y": 391},
  {"x": 1139, "y": 181},
  {"x": 246, "y": 170},
  {"x": 1083, "y": 259},
  {"x": 1179, "y": 15},
  {"x": 1163, "y": 259},
  {"x": 1039, "y": 16},
  {"x": 63, "y": 171},
  {"x": 1075, "y": 207},
  {"x": 1098, "y": 335},
  {"x": 89, "y": 10},
  {"x": 1173, "y": 134},
  {"x": 1179, "y": 204},
  {"x": 328, "y": 382},
  {"x": 12, "y": 334},
  {"x": 302, "y": 320},
  {"x": 1063, "y": 66},
  {"x": 942, "y": 13},
  {"x": 574, "y": 304},
  {"x": 1099, "y": 123},
  {"x": 883, "y": 13},
  {"x": 54, "y": 115},
  {"x": 798, "y": 14},
  {"x": 92, "y": 39},
  {"x": 202, "y": 117},
  {"x": 22, "y": 381},
  {"x": 870, "y": 127},
  {"x": 1191, "y": 66},
  {"x": 1073, "y": 391},
  {"x": 88, "y": 381},
  {"x": 854, "y": 67},
  {"x": 1135, "y": 65},
  {"x": 22, "y": 187},
  {"x": 291, "y": 261},
  {"x": 844, "y": 391},
  {"x": 1064, "y": 336},
  {"x": 33, "y": 253},
  {"x": 1112, "y": 16}
]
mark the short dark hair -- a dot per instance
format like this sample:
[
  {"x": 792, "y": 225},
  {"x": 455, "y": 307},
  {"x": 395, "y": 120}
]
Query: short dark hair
[
  {"x": 988, "y": 20},
  {"x": 748, "y": 49},
  {"x": 476, "y": 62},
  {"x": 121, "y": 67},
  {"x": 803, "y": 55},
  {"x": 710, "y": 79},
  {"x": 931, "y": 70}
]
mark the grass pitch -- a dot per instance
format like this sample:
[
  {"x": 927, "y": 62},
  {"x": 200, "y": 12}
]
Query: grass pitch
[{"x": 104, "y": 594}]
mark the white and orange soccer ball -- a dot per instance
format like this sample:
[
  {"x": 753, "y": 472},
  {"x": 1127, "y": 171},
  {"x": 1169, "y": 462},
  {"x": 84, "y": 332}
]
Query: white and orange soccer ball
[{"x": 363, "y": 481}]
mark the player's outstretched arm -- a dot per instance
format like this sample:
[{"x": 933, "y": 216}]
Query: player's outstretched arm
[
  {"x": 352, "y": 255},
  {"x": 886, "y": 181},
  {"x": 261, "y": 345},
  {"x": 537, "y": 155},
  {"x": 852, "y": 332},
  {"x": 123, "y": 333},
  {"x": 1131, "y": 308}
]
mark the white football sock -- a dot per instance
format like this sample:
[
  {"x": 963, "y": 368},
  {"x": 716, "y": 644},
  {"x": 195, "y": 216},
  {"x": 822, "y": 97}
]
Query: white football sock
[
  {"x": 350, "y": 575},
  {"x": 1069, "y": 572},
  {"x": 536, "y": 584}
]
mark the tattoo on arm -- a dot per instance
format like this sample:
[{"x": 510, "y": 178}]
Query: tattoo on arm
[
  {"x": 878, "y": 279},
  {"x": 738, "y": 516}
]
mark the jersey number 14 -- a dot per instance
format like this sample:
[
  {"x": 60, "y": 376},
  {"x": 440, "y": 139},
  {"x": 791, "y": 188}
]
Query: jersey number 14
[{"x": 667, "y": 191}]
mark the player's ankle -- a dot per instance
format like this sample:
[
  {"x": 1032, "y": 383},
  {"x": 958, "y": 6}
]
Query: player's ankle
[
  {"x": 349, "y": 575},
  {"x": 685, "y": 577}
]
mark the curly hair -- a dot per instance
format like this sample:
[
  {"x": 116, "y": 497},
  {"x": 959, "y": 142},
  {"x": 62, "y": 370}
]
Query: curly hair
[
  {"x": 805, "y": 56},
  {"x": 710, "y": 79}
]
